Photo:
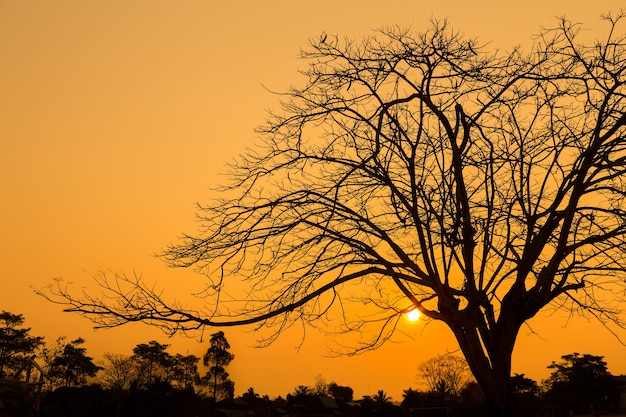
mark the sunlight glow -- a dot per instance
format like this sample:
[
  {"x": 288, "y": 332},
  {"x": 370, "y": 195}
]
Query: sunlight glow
[{"x": 413, "y": 315}]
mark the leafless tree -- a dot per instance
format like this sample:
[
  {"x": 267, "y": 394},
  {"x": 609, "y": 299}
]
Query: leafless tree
[
  {"x": 320, "y": 387},
  {"x": 418, "y": 170},
  {"x": 118, "y": 371},
  {"x": 446, "y": 374}
]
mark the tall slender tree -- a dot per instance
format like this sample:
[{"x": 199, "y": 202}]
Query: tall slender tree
[{"x": 217, "y": 358}]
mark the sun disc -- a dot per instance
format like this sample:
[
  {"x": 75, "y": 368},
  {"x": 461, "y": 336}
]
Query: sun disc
[{"x": 413, "y": 315}]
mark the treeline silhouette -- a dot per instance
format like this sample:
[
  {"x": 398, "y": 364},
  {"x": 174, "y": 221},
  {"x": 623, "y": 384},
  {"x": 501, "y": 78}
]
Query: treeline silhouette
[{"x": 62, "y": 380}]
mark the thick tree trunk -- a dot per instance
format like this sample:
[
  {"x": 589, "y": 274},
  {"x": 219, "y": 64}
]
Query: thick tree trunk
[
  {"x": 491, "y": 365},
  {"x": 499, "y": 395}
]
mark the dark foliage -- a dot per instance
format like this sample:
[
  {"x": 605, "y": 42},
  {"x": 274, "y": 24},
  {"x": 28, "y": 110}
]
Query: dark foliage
[
  {"x": 528, "y": 395},
  {"x": 71, "y": 366},
  {"x": 581, "y": 384},
  {"x": 16, "y": 344},
  {"x": 341, "y": 394},
  {"x": 160, "y": 399},
  {"x": 217, "y": 358}
]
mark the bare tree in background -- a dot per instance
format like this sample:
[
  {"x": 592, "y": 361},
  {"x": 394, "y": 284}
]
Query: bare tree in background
[
  {"x": 417, "y": 171},
  {"x": 445, "y": 374},
  {"x": 118, "y": 372}
]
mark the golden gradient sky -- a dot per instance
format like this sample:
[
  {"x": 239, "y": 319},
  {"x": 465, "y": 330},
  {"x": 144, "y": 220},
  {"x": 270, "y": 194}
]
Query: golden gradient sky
[{"x": 117, "y": 115}]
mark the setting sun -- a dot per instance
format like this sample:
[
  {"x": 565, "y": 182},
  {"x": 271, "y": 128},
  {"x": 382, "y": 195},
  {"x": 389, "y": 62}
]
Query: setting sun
[{"x": 413, "y": 315}]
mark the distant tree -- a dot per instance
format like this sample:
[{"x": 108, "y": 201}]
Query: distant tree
[
  {"x": 428, "y": 399},
  {"x": 580, "y": 383},
  {"x": 250, "y": 395},
  {"x": 154, "y": 361},
  {"x": 118, "y": 374},
  {"x": 118, "y": 371},
  {"x": 303, "y": 390},
  {"x": 380, "y": 404},
  {"x": 305, "y": 396},
  {"x": 381, "y": 397},
  {"x": 184, "y": 371},
  {"x": 418, "y": 171},
  {"x": 15, "y": 343},
  {"x": 49, "y": 352},
  {"x": 528, "y": 394},
  {"x": 523, "y": 385},
  {"x": 71, "y": 366},
  {"x": 445, "y": 374},
  {"x": 411, "y": 398},
  {"x": 320, "y": 387},
  {"x": 217, "y": 358},
  {"x": 341, "y": 394},
  {"x": 262, "y": 406}
]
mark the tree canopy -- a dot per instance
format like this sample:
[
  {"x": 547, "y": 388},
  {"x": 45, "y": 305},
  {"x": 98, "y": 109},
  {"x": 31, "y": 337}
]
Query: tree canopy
[
  {"x": 581, "y": 383},
  {"x": 445, "y": 374},
  {"x": 154, "y": 361},
  {"x": 70, "y": 365},
  {"x": 417, "y": 171},
  {"x": 16, "y": 343},
  {"x": 217, "y": 358}
]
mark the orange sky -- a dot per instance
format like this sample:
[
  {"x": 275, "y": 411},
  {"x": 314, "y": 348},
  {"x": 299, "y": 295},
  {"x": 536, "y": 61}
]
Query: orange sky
[{"x": 116, "y": 116}]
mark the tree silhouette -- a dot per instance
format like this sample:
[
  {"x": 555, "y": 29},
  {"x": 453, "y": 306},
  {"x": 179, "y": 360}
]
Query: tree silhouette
[
  {"x": 250, "y": 395},
  {"x": 15, "y": 343},
  {"x": 184, "y": 370},
  {"x": 581, "y": 383},
  {"x": 154, "y": 361},
  {"x": 320, "y": 387},
  {"x": 528, "y": 395},
  {"x": 445, "y": 374},
  {"x": 380, "y": 404},
  {"x": 381, "y": 398},
  {"x": 341, "y": 394},
  {"x": 217, "y": 359},
  {"x": 71, "y": 366},
  {"x": 118, "y": 371},
  {"x": 417, "y": 170}
]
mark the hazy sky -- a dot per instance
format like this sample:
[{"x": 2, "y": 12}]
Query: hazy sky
[{"x": 117, "y": 115}]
